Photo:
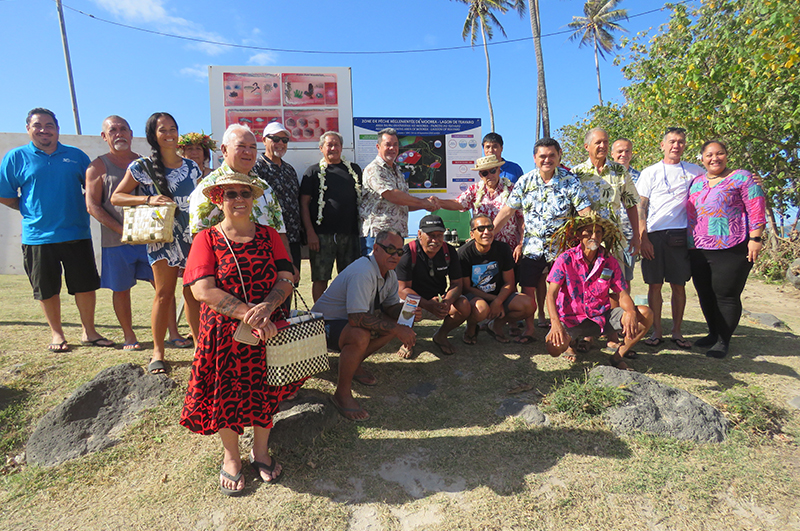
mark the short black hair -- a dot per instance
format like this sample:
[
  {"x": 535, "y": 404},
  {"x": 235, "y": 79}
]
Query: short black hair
[
  {"x": 40, "y": 110},
  {"x": 546, "y": 142},
  {"x": 479, "y": 216},
  {"x": 493, "y": 137}
]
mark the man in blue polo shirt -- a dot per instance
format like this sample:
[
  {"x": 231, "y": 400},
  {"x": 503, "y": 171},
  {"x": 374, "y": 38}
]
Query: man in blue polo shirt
[
  {"x": 493, "y": 145},
  {"x": 44, "y": 180}
]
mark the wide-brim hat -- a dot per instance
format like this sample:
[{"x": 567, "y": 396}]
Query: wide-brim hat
[
  {"x": 235, "y": 178},
  {"x": 487, "y": 163},
  {"x": 569, "y": 234}
]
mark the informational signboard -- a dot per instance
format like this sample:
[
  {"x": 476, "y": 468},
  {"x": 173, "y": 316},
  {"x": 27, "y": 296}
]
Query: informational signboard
[
  {"x": 307, "y": 100},
  {"x": 436, "y": 154}
]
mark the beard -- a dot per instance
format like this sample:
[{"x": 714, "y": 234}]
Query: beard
[{"x": 592, "y": 245}]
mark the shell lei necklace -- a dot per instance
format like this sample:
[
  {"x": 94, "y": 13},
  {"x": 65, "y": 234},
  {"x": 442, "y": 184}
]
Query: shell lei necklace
[
  {"x": 323, "y": 166},
  {"x": 503, "y": 189}
]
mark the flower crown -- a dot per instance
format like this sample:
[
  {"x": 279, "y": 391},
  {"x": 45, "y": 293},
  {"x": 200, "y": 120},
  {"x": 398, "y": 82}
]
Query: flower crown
[{"x": 201, "y": 139}]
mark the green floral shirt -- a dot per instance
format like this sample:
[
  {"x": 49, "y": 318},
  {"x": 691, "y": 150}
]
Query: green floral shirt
[
  {"x": 204, "y": 214},
  {"x": 610, "y": 191}
]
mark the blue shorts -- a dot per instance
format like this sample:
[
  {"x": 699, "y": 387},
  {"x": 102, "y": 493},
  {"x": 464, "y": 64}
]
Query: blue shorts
[{"x": 123, "y": 266}]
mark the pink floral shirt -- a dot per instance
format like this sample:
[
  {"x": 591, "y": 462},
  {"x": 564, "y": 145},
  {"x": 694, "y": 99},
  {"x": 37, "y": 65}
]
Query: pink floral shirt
[
  {"x": 584, "y": 292},
  {"x": 480, "y": 200},
  {"x": 723, "y": 216}
]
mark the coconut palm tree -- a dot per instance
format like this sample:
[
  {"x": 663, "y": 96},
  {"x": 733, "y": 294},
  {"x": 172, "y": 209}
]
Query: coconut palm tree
[
  {"x": 595, "y": 27},
  {"x": 480, "y": 18},
  {"x": 542, "y": 110}
]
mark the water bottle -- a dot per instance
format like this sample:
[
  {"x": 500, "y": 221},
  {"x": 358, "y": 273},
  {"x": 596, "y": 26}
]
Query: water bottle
[
  {"x": 454, "y": 235},
  {"x": 447, "y": 236}
]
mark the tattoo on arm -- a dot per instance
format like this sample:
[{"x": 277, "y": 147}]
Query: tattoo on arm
[
  {"x": 643, "y": 204},
  {"x": 277, "y": 295},
  {"x": 371, "y": 323},
  {"x": 227, "y": 305}
]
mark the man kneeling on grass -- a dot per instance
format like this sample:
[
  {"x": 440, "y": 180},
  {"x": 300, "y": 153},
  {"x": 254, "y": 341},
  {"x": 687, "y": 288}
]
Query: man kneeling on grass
[
  {"x": 361, "y": 307},
  {"x": 426, "y": 264},
  {"x": 581, "y": 286}
]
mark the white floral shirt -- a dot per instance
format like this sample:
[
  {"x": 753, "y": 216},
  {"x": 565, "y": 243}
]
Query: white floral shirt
[
  {"x": 610, "y": 191},
  {"x": 204, "y": 214},
  {"x": 377, "y": 213}
]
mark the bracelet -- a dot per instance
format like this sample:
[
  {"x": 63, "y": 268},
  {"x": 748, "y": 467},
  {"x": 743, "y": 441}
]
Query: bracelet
[
  {"x": 147, "y": 200},
  {"x": 286, "y": 280}
]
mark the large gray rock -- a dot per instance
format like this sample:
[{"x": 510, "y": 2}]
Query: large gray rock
[
  {"x": 302, "y": 420},
  {"x": 793, "y": 274},
  {"x": 659, "y": 409},
  {"x": 88, "y": 420}
]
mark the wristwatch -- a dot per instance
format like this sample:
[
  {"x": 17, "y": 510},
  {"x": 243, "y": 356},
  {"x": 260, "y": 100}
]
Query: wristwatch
[{"x": 755, "y": 238}]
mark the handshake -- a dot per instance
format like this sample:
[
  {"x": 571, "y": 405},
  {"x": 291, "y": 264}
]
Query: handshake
[{"x": 433, "y": 203}]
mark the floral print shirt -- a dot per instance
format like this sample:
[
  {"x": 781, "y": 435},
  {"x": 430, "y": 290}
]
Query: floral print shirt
[
  {"x": 204, "y": 214},
  {"x": 377, "y": 213},
  {"x": 180, "y": 182},
  {"x": 545, "y": 207},
  {"x": 584, "y": 288},
  {"x": 610, "y": 191},
  {"x": 625, "y": 223},
  {"x": 481, "y": 200},
  {"x": 286, "y": 187},
  {"x": 723, "y": 216}
]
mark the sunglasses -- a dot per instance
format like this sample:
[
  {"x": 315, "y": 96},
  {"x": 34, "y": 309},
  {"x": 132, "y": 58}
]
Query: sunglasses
[
  {"x": 484, "y": 173},
  {"x": 233, "y": 194},
  {"x": 679, "y": 130},
  {"x": 275, "y": 138},
  {"x": 483, "y": 228},
  {"x": 391, "y": 250}
]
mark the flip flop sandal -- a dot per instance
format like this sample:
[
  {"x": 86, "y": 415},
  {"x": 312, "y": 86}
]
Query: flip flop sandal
[
  {"x": 58, "y": 347},
  {"x": 226, "y": 491},
  {"x": 616, "y": 363},
  {"x": 524, "y": 340},
  {"x": 653, "y": 341},
  {"x": 497, "y": 337},
  {"x": 470, "y": 340},
  {"x": 442, "y": 348},
  {"x": 343, "y": 411},
  {"x": 631, "y": 355},
  {"x": 179, "y": 342},
  {"x": 132, "y": 346},
  {"x": 366, "y": 379},
  {"x": 258, "y": 466},
  {"x": 157, "y": 367},
  {"x": 682, "y": 343},
  {"x": 98, "y": 342}
]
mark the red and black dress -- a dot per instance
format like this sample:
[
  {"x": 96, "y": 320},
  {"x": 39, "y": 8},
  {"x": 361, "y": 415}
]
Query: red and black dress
[{"x": 228, "y": 387}]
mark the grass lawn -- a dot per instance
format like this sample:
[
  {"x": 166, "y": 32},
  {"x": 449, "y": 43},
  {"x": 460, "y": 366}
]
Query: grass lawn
[{"x": 445, "y": 461}]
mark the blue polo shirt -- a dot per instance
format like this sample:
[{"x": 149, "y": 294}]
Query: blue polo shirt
[
  {"x": 50, "y": 188},
  {"x": 511, "y": 170}
]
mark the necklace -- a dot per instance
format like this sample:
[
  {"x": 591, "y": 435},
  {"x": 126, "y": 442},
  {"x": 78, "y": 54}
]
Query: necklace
[
  {"x": 323, "y": 166},
  {"x": 503, "y": 190}
]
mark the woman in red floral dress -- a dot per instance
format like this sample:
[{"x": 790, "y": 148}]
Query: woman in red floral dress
[{"x": 241, "y": 273}]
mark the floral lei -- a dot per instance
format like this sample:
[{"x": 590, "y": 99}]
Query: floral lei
[
  {"x": 504, "y": 188},
  {"x": 323, "y": 165}
]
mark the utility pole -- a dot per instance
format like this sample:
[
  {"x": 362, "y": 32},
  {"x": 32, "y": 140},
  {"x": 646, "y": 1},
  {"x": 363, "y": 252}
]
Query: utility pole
[{"x": 69, "y": 67}]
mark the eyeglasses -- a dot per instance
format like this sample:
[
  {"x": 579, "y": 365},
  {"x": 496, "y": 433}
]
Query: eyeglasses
[
  {"x": 679, "y": 130},
  {"x": 391, "y": 250},
  {"x": 483, "y": 228},
  {"x": 485, "y": 173},
  {"x": 276, "y": 138},
  {"x": 233, "y": 194}
]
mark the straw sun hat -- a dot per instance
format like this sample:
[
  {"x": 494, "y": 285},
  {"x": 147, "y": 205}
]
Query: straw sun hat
[
  {"x": 487, "y": 163},
  {"x": 234, "y": 178}
]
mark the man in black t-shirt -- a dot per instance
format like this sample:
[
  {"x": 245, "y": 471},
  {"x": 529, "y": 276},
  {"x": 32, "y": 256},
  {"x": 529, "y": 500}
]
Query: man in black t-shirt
[
  {"x": 487, "y": 268},
  {"x": 423, "y": 270},
  {"x": 334, "y": 186}
]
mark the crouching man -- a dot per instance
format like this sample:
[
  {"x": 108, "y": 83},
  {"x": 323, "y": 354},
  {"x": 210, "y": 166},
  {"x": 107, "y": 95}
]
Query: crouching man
[
  {"x": 424, "y": 269},
  {"x": 581, "y": 285},
  {"x": 361, "y": 307}
]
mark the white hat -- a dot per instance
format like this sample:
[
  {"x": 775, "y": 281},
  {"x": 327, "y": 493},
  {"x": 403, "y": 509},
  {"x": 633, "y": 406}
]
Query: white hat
[{"x": 274, "y": 128}]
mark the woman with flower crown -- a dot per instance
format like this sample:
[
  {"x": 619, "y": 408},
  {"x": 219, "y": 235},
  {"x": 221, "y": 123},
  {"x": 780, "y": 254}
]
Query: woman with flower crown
[
  {"x": 197, "y": 147},
  {"x": 329, "y": 198}
]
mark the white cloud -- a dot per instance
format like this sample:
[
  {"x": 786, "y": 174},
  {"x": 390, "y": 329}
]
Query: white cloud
[
  {"x": 199, "y": 72},
  {"x": 157, "y": 16},
  {"x": 263, "y": 58}
]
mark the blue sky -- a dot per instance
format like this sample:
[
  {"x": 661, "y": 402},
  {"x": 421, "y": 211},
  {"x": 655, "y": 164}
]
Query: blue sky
[{"x": 132, "y": 73}]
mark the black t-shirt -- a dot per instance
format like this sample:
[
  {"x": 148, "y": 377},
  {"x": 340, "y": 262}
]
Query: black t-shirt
[
  {"x": 340, "y": 214},
  {"x": 426, "y": 285},
  {"x": 485, "y": 271}
]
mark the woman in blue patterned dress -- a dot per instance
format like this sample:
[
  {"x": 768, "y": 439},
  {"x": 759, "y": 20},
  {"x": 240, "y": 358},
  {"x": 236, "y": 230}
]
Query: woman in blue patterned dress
[{"x": 171, "y": 181}]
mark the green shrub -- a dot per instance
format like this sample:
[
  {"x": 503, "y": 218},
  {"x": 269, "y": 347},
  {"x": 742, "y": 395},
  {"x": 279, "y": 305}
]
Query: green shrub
[
  {"x": 582, "y": 400},
  {"x": 749, "y": 411}
]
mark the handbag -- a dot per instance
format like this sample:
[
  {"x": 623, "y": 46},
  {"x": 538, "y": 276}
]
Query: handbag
[
  {"x": 148, "y": 223},
  {"x": 299, "y": 349}
]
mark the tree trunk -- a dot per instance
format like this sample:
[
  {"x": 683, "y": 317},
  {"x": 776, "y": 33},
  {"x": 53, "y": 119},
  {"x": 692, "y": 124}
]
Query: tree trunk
[
  {"x": 488, "y": 77},
  {"x": 542, "y": 111},
  {"x": 597, "y": 65},
  {"x": 773, "y": 239}
]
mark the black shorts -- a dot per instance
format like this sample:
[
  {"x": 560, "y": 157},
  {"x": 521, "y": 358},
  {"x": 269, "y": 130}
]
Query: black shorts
[
  {"x": 333, "y": 330},
  {"x": 471, "y": 297},
  {"x": 531, "y": 269},
  {"x": 589, "y": 328},
  {"x": 670, "y": 264},
  {"x": 43, "y": 265}
]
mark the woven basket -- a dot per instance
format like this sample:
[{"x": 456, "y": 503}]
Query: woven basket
[
  {"x": 148, "y": 223},
  {"x": 299, "y": 350}
]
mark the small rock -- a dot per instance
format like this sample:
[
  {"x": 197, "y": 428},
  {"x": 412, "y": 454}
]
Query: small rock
[
  {"x": 527, "y": 412},
  {"x": 303, "y": 421},
  {"x": 766, "y": 319},
  {"x": 793, "y": 274},
  {"x": 795, "y": 402}
]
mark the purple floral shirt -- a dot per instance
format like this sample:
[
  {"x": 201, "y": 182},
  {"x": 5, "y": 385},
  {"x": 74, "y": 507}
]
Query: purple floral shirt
[
  {"x": 723, "y": 216},
  {"x": 584, "y": 293}
]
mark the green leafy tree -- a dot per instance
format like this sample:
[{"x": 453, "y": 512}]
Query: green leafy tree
[
  {"x": 596, "y": 27},
  {"x": 542, "y": 109},
  {"x": 481, "y": 19}
]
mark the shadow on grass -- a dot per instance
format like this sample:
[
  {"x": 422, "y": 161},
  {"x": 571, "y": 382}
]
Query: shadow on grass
[{"x": 397, "y": 470}]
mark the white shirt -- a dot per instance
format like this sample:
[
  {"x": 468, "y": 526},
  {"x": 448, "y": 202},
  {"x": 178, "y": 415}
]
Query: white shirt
[{"x": 666, "y": 186}]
